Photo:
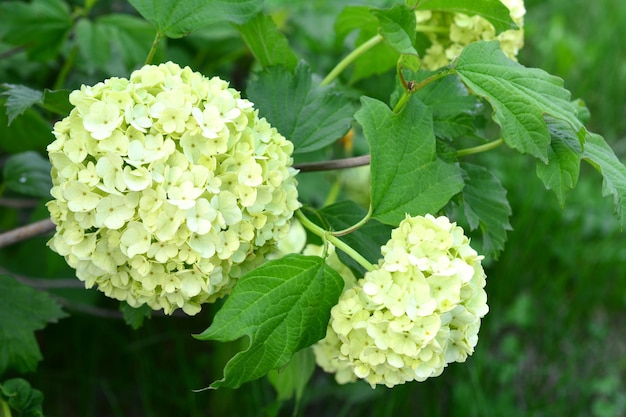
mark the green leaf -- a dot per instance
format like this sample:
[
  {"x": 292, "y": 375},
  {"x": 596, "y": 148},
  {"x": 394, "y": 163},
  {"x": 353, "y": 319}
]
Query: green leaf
[
  {"x": 407, "y": 176},
  {"x": 486, "y": 206},
  {"x": 560, "y": 174},
  {"x": 177, "y": 18},
  {"x": 453, "y": 108},
  {"x": 367, "y": 240},
  {"x": 377, "y": 60},
  {"x": 397, "y": 26},
  {"x": 28, "y": 173},
  {"x": 600, "y": 155},
  {"x": 492, "y": 10},
  {"x": 21, "y": 397},
  {"x": 268, "y": 45},
  {"x": 93, "y": 42},
  {"x": 134, "y": 316},
  {"x": 20, "y": 98},
  {"x": 282, "y": 307},
  {"x": 290, "y": 381},
  {"x": 129, "y": 37},
  {"x": 23, "y": 310},
  {"x": 28, "y": 132},
  {"x": 519, "y": 96},
  {"x": 41, "y": 26},
  {"x": 309, "y": 115}
]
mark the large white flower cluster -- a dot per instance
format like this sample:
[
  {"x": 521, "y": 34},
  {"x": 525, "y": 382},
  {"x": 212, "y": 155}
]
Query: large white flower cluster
[
  {"x": 167, "y": 187},
  {"x": 449, "y": 33},
  {"x": 417, "y": 311}
]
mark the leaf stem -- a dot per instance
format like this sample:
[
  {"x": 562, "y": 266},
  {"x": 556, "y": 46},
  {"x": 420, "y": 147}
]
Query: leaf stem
[
  {"x": 432, "y": 29},
  {"x": 153, "y": 48},
  {"x": 356, "y": 225},
  {"x": 481, "y": 148},
  {"x": 414, "y": 87},
  {"x": 5, "y": 411},
  {"x": 329, "y": 237},
  {"x": 343, "y": 64},
  {"x": 65, "y": 69}
]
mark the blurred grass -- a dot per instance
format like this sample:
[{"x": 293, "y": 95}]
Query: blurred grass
[{"x": 554, "y": 343}]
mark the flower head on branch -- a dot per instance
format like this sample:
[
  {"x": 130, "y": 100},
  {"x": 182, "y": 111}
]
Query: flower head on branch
[
  {"x": 417, "y": 311},
  {"x": 167, "y": 187},
  {"x": 450, "y": 33}
]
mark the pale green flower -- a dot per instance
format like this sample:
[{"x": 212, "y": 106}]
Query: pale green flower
[
  {"x": 167, "y": 187},
  {"x": 414, "y": 313},
  {"x": 450, "y": 33}
]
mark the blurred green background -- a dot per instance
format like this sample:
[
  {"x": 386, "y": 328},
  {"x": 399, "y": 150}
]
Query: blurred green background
[{"x": 553, "y": 344}]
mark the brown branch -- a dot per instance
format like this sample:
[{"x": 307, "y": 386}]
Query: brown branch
[
  {"x": 355, "y": 161},
  {"x": 26, "y": 232}
]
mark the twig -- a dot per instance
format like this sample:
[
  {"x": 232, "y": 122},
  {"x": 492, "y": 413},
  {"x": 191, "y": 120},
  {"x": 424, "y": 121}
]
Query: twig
[
  {"x": 25, "y": 232},
  {"x": 18, "y": 202},
  {"x": 355, "y": 161}
]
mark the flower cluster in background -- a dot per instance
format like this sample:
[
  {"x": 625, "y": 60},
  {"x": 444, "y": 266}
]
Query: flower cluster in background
[
  {"x": 417, "y": 311},
  {"x": 167, "y": 187},
  {"x": 450, "y": 33}
]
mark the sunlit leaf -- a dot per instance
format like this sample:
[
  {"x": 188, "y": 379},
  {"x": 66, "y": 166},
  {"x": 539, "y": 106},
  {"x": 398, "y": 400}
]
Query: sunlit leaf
[{"x": 268, "y": 45}]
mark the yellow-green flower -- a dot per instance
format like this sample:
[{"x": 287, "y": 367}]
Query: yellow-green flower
[
  {"x": 417, "y": 311},
  {"x": 167, "y": 187}
]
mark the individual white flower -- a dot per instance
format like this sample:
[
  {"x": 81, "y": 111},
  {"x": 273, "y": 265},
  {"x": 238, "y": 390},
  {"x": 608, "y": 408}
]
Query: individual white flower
[
  {"x": 449, "y": 33},
  {"x": 412, "y": 314},
  {"x": 163, "y": 193}
]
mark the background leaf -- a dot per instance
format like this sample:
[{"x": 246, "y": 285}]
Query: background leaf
[
  {"x": 309, "y": 115},
  {"x": 268, "y": 45},
  {"x": 135, "y": 316},
  {"x": 22, "y": 311},
  {"x": 21, "y": 397},
  {"x": 19, "y": 99},
  {"x": 290, "y": 381},
  {"x": 485, "y": 205},
  {"x": 520, "y": 97},
  {"x": 176, "y": 18},
  {"x": 28, "y": 173},
  {"x": 407, "y": 176},
  {"x": 41, "y": 26},
  {"x": 283, "y": 306},
  {"x": 492, "y": 10},
  {"x": 397, "y": 26}
]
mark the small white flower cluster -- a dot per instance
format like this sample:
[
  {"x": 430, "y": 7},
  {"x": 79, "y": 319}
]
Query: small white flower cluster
[
  {"x": 417, "y": 311},
  {"x": 450, "y": 33},
  {"x": 167, "y": 187}
]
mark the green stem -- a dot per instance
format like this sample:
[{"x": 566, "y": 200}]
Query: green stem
[
  {"x": 65, "y": 69},
  {"x": 329, "y": 237},
  {"x": 343, "y": 64},
  {"x": 416, "y": 87},
  {"x": 402, "y": 102},
  {"x": 481, "y": 148},
  {"x": 5, "y": 411},
  {"x": 356, "y": 225},
  {"x": 153, "y": 48}
]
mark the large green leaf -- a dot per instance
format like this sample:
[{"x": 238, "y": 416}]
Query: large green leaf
[
  {"x": 30, "y": 131},
  {"x": 308, "y": 114},
  {"x": 599, "y": 154},
  {"x": 268, "y": 45},
  {"x": 485, "y": 205},
  {"x": 177, "y": 18},
  {"x": 520, "y": 97},
  {"x": 93, "y": 40},
  {"x": 407, "y": 176},
  {"x": 282, "y": 307},
  {"x": 20, "y": 98},
  {"x": 560, "y": 174},
  {"x": 28, "y": 173},
  {"x": 41, "y": 26},
  {"x": 23, "y": 310},
  {"x": 492, "y": 10}
]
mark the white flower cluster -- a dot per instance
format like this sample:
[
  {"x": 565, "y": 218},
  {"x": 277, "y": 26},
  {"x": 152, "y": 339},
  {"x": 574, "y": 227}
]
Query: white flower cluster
[
  {"x": 450, "y": 33},
  {"x": 167, "y": 187},
  {"x": 417, "y": 311}
]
